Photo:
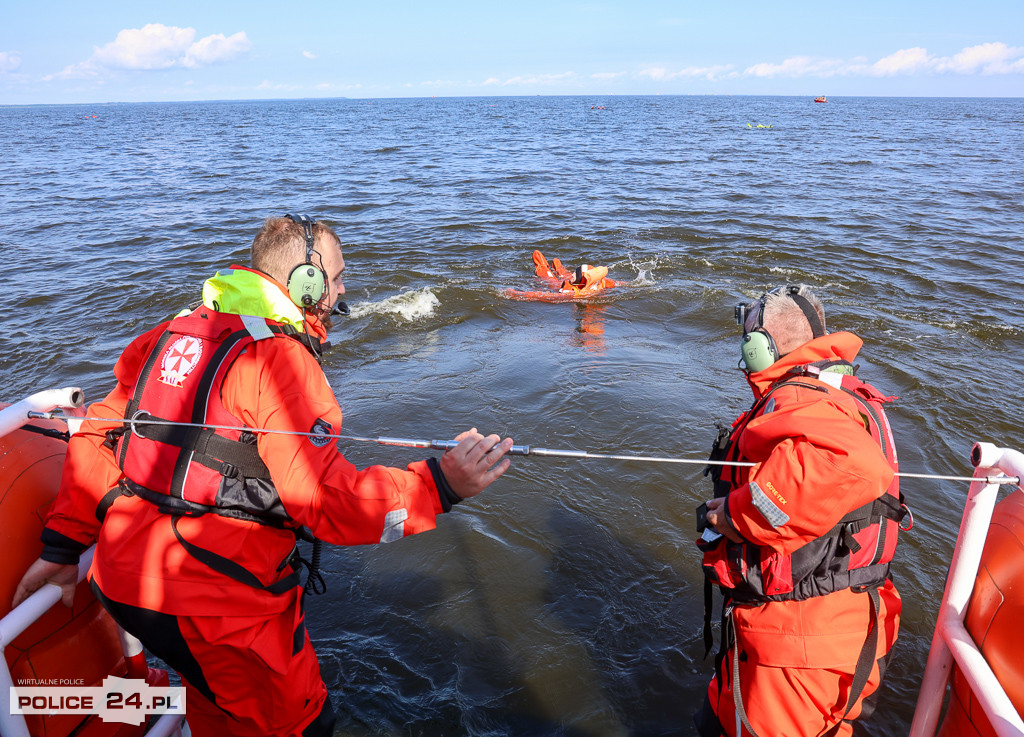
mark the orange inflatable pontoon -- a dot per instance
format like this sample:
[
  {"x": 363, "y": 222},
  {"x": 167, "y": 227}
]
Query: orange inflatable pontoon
[
  {"x": 81, "y": 645},
  {"x": 993, "y": 620}
]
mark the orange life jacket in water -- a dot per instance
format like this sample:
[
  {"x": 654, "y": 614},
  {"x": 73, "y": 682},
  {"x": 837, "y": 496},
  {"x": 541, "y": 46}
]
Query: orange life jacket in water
[{"x": 587, "y": 280}]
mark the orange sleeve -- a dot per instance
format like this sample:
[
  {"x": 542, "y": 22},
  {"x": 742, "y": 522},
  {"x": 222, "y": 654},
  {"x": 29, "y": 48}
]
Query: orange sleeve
[
  {"x": 816, "y": 463},
  {"x": 277, "y": 385},
  {"x": 90, "y": 469}
]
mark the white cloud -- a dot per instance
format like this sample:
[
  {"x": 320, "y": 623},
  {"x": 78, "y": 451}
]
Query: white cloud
[
  {"x": 156, "y": 46},
  {"x": 440, "y": 83},
  {"x": 216, "y": 49},
  {"x": 266, "y": 84},
  {"x": 540, "y": 79},
  {"x": 712, "y": 73},
  {"x": 335, "y": 87},
  {"x": 797, "y": 66},
  {"x": 9, "y": 61},
  {"x": 988, "y": 59},
  {"x": 904, "y": 61},
  {"x": 655, "y": 73},
  {"x": 309, "y": 54}
]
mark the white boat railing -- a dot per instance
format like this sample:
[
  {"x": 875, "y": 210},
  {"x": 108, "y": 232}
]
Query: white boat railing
[
  {"x": 36, "y": 605},
  {"x": 15, "y": 416},
  {"x": 951, "y": 641},
  {"x": 22, "y": 617}
]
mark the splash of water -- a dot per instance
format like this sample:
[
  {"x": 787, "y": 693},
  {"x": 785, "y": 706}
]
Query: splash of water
[{"x": 410, "y": 306}]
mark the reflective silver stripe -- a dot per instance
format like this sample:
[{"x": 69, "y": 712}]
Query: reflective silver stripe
[
  {"x": 394, "y": 525},
  {"x": 831, "y": 378},
  {"x": 764, "y": 504},
  {"x": 257, "y": 327}
]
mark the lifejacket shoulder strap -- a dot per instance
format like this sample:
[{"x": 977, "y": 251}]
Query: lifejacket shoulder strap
[
  {"x": 309, "y": 342},
  {"x": 203, "y": 444}
]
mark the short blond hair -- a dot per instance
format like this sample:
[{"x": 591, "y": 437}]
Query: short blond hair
[
  {"x": 786, "y": 322},
  {"x": 280, "y": 246}
]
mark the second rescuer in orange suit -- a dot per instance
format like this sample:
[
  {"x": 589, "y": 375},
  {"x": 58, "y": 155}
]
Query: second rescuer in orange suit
[
  {"x": 242, "y": 651},
  {"x": 794, "y": 645}
]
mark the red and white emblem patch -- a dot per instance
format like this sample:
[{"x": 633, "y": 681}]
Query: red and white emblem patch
[{"x": 180, "y": 359}]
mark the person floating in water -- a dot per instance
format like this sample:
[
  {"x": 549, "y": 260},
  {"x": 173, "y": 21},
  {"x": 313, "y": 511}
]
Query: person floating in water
[
  {"x": 565, "y": 285},
  {"x": 586, "y": 280}
]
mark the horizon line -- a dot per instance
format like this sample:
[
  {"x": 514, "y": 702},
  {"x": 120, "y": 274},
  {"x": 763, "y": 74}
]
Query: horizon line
[{"x": 500, "y": 97}]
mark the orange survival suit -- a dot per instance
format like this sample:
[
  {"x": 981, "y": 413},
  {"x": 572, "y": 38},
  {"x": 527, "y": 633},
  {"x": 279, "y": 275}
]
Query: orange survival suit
[
  {"x": 810, "y": 613},
  {"x": 586, "y": 280},
  {"x": 216, "y": 595}
]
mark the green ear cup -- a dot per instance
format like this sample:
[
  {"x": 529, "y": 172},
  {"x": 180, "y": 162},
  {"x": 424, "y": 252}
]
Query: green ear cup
[
  {"x": 758, "y": 351},
  {"x": 306, "y": 285}
]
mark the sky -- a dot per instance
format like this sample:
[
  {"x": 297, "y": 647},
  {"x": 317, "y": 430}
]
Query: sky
[{"x": 138, "y": 51}]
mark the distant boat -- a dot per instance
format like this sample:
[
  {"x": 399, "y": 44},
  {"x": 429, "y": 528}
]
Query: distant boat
[{"x": 821, "y": 99}]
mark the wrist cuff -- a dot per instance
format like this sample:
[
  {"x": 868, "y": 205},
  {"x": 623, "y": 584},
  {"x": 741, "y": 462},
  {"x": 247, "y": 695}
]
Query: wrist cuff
[
  {"x": 444, "y": 491},
  {"x": 58, "y": 548}
]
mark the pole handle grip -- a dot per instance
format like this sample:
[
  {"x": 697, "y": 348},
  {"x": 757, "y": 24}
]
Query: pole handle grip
[{"x": 515, "y": 450}]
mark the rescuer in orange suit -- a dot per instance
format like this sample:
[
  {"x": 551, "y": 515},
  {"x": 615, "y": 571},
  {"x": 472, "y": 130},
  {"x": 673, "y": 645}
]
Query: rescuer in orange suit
[
  {"x": 799, "y": 540},
  {"x": 196, "y": 531}
]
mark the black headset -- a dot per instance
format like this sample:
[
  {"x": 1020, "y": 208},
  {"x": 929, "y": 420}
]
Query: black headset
[
  {"x": 307, "y": 282},
  {"x": 758, "y": 349}
]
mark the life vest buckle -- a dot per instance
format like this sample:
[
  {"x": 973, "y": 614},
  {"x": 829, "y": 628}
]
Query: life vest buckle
[
  {"x": 230, "y": 470},
  {"x": 112, "y": 436}
]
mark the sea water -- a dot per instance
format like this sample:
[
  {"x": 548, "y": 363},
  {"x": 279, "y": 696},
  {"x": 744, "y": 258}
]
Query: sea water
[{"x": 567, "y": 598}]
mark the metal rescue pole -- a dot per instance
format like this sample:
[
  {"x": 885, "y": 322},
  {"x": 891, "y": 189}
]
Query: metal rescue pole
[
  {"x": 144, "y": 419},
  {"x": 951, "y": 640}
]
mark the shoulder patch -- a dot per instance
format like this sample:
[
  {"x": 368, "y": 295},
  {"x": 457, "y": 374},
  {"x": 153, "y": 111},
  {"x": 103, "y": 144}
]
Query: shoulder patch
[{"x": 320, "y": 433}]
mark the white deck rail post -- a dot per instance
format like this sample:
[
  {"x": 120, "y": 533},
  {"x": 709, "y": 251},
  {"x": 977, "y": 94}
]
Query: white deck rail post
[
  {"x": 16, "y": 415},
  {"x": 16, "y": 622},
  {"x": 951, "y": 640}
]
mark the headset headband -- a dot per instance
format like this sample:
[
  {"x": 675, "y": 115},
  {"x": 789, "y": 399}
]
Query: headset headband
[
  {"x": 307, "y": 282},
  {"x": 817, "y": 329},
  {"x": 307, "y": 224},
  {"x": 757, "y": 349}
]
